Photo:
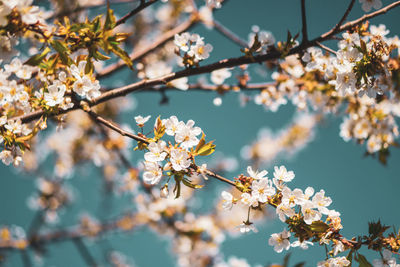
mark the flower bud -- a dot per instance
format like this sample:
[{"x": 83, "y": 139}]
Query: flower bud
[{"x": 164, "y": 191}]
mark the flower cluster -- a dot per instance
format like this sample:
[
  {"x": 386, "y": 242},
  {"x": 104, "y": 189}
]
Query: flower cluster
[
  {"x": 337, "y": 261},
  {"x": 359, "y": 76},
  {"x": 193, "y": 47},
  {"x": 302, "y": 211},
  {"x": 260, "y": 40},
  {"x": 13, "y": 236},
  {"x": 20, "y": 10},
  {"x": 179, "y": 157}
]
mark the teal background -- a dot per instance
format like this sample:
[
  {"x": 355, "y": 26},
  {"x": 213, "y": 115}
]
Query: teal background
[{"x": 361, "y": 188}]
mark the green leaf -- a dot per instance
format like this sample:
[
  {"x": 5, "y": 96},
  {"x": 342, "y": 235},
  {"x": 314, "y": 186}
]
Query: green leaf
[
  {"x": 62, "y": 50},
  {"x": 96, "y": 24},
  {"x": 350, "y": 257},
  {"x": 203, "y": 149},
  {"x": 159, "y": 130},
  {"x": 177, "y": 188},
  {"x": 37, "y": 59},
  {"x": 191, "y": 185},
  {"x": 363, "y": 261},
  {"x": 89, "y": 66},
  {"x": 319, "y": 226},
  {"x": 122, "y": 54},
  {"x": 99, "y": 56},
  {"x": 59, "y": 46},
  {"x": 78, "y": 26},
  {"x": 110, "y": 22}
]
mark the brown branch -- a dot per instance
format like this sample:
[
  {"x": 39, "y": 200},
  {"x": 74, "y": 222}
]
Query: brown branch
[
  {"x": 138, "y": 55},
  {"x": 213, "y": 88},
  {"x": 328, "y": 35},
  {"x": 304, "y": 21},
  {"x": 143, "y": 4},
  {"x": 225, "y": 63},
  {"x": 71, "y": 233},
  {"x": 345, "y": 15},
  {"x": 229, "y": 34},
  {"x": 219, "y": 177},
  {"x": 326, "y": 48},
  {"x": 84, "y": 252},
  {"x": 112, "y": 126}
]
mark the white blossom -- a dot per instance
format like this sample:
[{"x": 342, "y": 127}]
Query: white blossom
[
  {"x": 179, "y": 159},
  {"x": 367, "y": 5},
  {"x": 280, "y": 241}
]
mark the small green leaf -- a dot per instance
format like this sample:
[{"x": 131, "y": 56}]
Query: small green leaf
[
  {"x": 37, "y": 59},
  {"x": 78, "y": 26},
  {"x": 191, "y": 185},
  {"x": 177, "y": 188},
  {"x": 363, "y": 261},
  {"x": 62, "y": 50},
  {"x": 319, "y": 227},
  {"x": 99, "y": 56},
  {"x": 159, "y": 130},
  {"x": 122, "y": 54},
  {"x": 110, "y": 22},
  {"x": 96, "y": 24}
]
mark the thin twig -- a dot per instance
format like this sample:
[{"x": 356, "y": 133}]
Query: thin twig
[
  {"x": 328, "y": 35},
  {"x": 326, "y": 48},
  {"x": 84, "y": 252},
  {"x": 345, "y": 15},
  {"x": 219, "y": 177},
  {"x": 229, "y": 34},
  {"x": 26, "y": 261},
  {"x": 304, "y": 21},
  {"x": 114, "y": 127},
  {"x": 143, "y": 5}
]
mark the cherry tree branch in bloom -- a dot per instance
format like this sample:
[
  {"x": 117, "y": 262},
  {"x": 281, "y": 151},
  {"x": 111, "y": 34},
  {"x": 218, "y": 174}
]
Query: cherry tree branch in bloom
[{"x": 225, "y": 63}]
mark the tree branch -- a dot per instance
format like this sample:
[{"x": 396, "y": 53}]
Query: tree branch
[
  {"x": 112, "y": 126},
  {"x": 225, "y": 63},
  {"x": 304, "y": 21},
  {"x": 350, "y": 24},
  {"x": 142, "y": 5},
  {"x": 84, "y": 252},
  {"x": 229, "y": 34},
  {"x": 346, "y": 14}
]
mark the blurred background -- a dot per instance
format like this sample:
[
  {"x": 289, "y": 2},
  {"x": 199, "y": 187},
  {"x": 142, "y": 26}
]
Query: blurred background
[{"x": 362, "y": 189}]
